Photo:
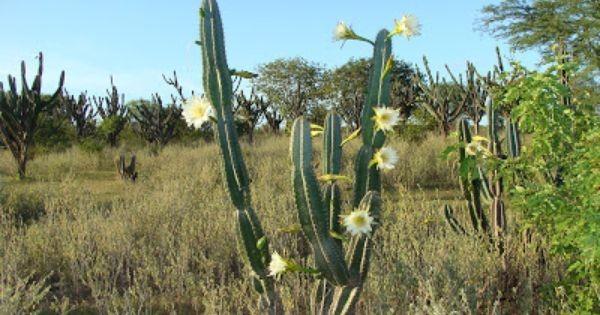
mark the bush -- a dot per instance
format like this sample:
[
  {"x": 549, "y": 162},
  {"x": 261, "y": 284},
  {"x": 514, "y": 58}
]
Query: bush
[
  {"x": 23, "y": 207},
  {"x": 54, "y": 134},
  {"x": 558, "y": 178}
]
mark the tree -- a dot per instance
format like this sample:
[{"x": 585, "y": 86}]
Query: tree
[
  {"x": 19, "y": 113},
  {"x": 346, "y": 89},
  {"x": 112, "y": 110},
  {"x": 547, "y": 24},
  {"x": 294, "y": 86},
  {"x": 405, "y": 89}
]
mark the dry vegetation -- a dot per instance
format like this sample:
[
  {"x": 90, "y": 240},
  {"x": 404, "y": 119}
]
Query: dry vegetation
[{"x": 75, "y": 238}]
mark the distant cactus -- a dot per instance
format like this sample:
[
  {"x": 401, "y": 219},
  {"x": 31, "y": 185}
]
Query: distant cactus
[
  {"x": 113, "y": 111},
  {"x": 474, "y": 91},
  {"x": 80, "y": 112},
  {"x": 127, "y": 171},
  {"x": 155, "y": 123},
  {"x": 441, "y": 99},
  {"x": 19, "y": 113},
  {"x": 249, "y": 110}
]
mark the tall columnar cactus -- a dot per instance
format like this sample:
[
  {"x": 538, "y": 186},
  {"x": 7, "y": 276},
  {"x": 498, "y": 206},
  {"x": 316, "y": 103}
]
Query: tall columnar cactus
[
  {"x": 473, "y": 92},
  {"x": 156, "y": 124},
  {"x": 441, "y": 99},
  {"x": 19, "y": 113},
  {"x": 81, "y": 113},
  {"x": 219, "y": 91},
  {"x": 112, "y": 109},
  {"x": 482, "y": 186}
]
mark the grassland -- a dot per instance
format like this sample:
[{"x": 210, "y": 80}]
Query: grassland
[{"x": 74, "y": 238}]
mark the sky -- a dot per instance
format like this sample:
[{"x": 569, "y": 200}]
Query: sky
[{"x": 136, "y": 41}]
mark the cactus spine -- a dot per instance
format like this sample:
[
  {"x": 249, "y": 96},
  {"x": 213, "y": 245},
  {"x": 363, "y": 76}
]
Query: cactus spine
[{"x": 218, "y": 88}]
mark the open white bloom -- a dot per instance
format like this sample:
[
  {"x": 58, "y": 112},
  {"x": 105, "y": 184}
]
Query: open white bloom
[
  {"x": 197, "y": 111},
  {"x": 386, "y": 118},
  {"x": 386, "y": 158},
  {"x": 477, "y": 146},
  {"x": 358, "y": 222},
  {"x": 408, "y": 26},
  {"x": 343, "y": 32},
  {"x": 278, "y": 265}
]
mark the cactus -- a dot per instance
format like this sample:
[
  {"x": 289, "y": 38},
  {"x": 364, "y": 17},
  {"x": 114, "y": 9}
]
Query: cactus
[
  {"x": 112, "y": 109},
  {"x": 473, "y": 91},
  {"x": 340, "y": 273},
  {"x": 127, "y": 172},
  {"x": 343, "y": 273},
  {"x": 249, "y": 109},
  {"x": 80, "y": 112},
  {"x": 481, "y": 186},
  {"x": 218, "y": 88},
  {"x": 156, "y": 124},
  {"x": 19, "y": 113},
  {"x": 441, "y": 100}
]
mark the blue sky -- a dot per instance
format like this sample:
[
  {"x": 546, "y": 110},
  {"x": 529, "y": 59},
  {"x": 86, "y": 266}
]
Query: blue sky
[{"x": 136, "y": 41}]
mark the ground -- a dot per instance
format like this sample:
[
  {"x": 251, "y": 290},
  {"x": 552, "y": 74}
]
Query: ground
[{"x": 75, "y": 237}]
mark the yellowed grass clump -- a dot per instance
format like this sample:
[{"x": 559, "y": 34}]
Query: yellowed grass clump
[{"x": 75, "y": 237}]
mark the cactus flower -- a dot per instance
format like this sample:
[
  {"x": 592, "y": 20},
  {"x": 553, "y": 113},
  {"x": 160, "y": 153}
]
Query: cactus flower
[
  {"x": 343, "y": 32},
  {"x": 408, "y": 26},
  {"x": 386, "y": 118},
  {"x": 358, "y": 222},
  {"x": 197, "y": 111},
  {"x": 278, "y": 265},
  {"x": 477, "y": 146},
  {"x": 385, "y": 159}
]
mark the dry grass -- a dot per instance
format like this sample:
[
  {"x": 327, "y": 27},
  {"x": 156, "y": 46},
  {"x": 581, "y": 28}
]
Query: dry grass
[{"x": 74, "y": 238}]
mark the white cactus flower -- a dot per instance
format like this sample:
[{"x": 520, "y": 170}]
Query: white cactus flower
[
  {"x": 386, "y": 118},
  {"x": 408, "y": 26},
  {"x": 197, "y": 111},
  {"x": 278, "y": 265},
  {"x": 343, "y": 32},
  {"x": 358, "y": 222},
  {"x": 385, "y": 159},
  {"x": 477, "y": 146}
]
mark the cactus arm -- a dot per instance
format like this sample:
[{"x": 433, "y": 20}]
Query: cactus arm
[
  {"x": 514, "y": 141},
  {"x": 361, "y": 170},
  {"x": 378, "y": 86},
  {"x": 311, "y": 211},
  {"x": 218, "y": 88},
  {"x": 452, "y": 221},
  {"x": 332, "y": 144},
  {"x": 367, "y": 176},
  {"x": 332, "y": 164},
  {"x": 359, "y": 254}
]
